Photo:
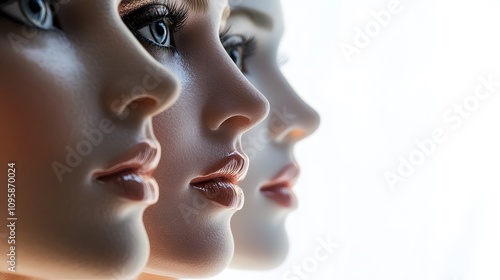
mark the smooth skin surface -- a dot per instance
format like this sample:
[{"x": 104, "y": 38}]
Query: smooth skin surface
[
  {"x": 190, "y": 236},
  {"x": 57, "y": 86}
]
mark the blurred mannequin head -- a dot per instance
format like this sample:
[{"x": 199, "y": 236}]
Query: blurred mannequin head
[{"x": 260, "y": 238}]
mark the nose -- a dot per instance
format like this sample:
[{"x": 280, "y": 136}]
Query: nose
[
  {"x": 291, "y": 119},
  {"x": 143, "y": 89},
  {"x": 136, "y": 85},
  {"x": 236, "y": 105}
]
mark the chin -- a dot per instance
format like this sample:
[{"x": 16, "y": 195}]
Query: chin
[
  {"x": 202, "y": 248},
  {"x": 84, "y": 252},
  {"x": 197, "y": 263},
  {"x": 263, "y": 259},
  {"x": 259, "y": 244},
  {"x": 83, "y": 239}
]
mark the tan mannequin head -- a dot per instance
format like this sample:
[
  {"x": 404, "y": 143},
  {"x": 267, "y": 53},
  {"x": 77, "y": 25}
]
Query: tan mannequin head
[
  {"x": 202, "y": 158},
  {"x": 77, "y": 96},
  {"x": 260, "y": 238}
]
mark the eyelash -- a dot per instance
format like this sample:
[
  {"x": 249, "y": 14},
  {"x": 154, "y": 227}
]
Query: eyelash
[
  {"x": 248, "y": 44},
  {"x": 156, "y": 11}
]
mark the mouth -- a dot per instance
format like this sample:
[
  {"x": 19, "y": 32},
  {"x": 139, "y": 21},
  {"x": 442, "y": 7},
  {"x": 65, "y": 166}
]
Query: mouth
[
  {"x": 220, "y": 185},
  {"x": 130, "y": 176},
  {"x": 279, "y": 189}
]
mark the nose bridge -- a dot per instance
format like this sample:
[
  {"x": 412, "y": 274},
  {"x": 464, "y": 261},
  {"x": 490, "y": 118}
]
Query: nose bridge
[
  {"x": 233, "y": 100},
  {"x": 132, "y": 75},
  {"x": 291, "y": 118}
]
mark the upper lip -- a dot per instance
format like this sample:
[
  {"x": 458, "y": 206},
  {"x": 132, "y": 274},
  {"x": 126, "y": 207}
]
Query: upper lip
[
  {"x": 232, "y": 168},
  {"x": 141, "y": 159},
  {"x": 286, "y": 177}
]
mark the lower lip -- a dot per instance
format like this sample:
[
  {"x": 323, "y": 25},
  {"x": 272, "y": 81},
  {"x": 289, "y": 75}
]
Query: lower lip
[
  {"x": 132, "y": 186},
  {"x": 280, "y": 194},
  {"x": 222, "y": 193}
]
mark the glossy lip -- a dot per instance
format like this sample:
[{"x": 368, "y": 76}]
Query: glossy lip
[
  {"x": 131, "y": 175},
  {"x": 220, "y": 184},
  {"x": 279, "y": 189}
]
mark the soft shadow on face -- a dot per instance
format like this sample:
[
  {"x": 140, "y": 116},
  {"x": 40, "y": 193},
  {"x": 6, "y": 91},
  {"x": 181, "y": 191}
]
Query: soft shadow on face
[
  {"x": 77, "y": 96},
  {"x": 202, "y": 158},
  {"x": 261, "y": 241}
]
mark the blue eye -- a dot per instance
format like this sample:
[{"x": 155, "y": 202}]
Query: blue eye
[
  {"x": 156, "y": 25},
  {"x": 159, "y": 32},
  {"x": 238, "y": 47},
  {"x": 236, "y": 56},
  {"x": 36, "y": 13}
]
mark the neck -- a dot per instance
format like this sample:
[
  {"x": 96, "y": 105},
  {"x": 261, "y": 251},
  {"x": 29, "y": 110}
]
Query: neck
[{"x": 147, "y": 276}]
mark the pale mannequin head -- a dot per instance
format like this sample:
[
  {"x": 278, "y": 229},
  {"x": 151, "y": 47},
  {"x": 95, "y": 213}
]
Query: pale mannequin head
[
  {"x": 190, "y": 233},
  {"x": 77, "y": 97},
  {"x": 261, "y": 240}
]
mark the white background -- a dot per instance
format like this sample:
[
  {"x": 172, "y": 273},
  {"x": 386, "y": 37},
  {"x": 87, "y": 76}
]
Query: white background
[{"x": 443, "y": 221}]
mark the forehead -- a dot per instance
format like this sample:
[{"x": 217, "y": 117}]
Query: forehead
[
  {"x": 268, "y": 7},
  {"x": 263, "y": 12}
]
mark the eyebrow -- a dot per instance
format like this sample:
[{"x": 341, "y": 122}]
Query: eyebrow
[
  {"x": 130, "y": 5},
  {"x": 258, "y": 18}
]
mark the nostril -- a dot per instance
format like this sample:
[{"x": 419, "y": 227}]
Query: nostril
[
  {"x": 237, "y": 122},
  {"x": 297, "y": 134},
  {"x": 293, "y": 125},
  {"x": 143, "y": 103},
  {"x": 140, "y": 106},
  {"x": 293, "y": 134}
]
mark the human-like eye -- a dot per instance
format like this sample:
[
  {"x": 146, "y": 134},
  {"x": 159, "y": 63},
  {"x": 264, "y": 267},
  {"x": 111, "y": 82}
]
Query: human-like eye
[
  {"x": 159, "y": 32},
  {"x": 36, "y": 13},
  {"x": 239, "y": 48},
  {"x": 156, "y": 24},
  {"x": 236, "y": 54}
]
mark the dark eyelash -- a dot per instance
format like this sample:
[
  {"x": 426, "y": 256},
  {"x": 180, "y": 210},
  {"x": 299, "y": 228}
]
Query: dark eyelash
[
  {"x": 158, "y": 10},
  {"x": 248, "y": 44}
]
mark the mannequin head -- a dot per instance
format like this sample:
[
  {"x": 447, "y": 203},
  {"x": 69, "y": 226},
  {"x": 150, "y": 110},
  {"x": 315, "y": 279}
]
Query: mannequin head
[
  {"x": 200, "y": 135},
  {"x": 77, "y": 96},
  {"x": 260, "y": 238}
]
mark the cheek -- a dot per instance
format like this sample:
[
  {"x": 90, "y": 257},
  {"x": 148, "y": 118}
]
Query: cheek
[{"x": 40, "y": 107}]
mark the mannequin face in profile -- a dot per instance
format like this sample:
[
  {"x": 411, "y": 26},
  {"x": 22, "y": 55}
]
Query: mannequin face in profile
[
  {"x": 202, "y": 159},
  {"x": 260, "y": 238},
  {"x": 77, "y": 97}
]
